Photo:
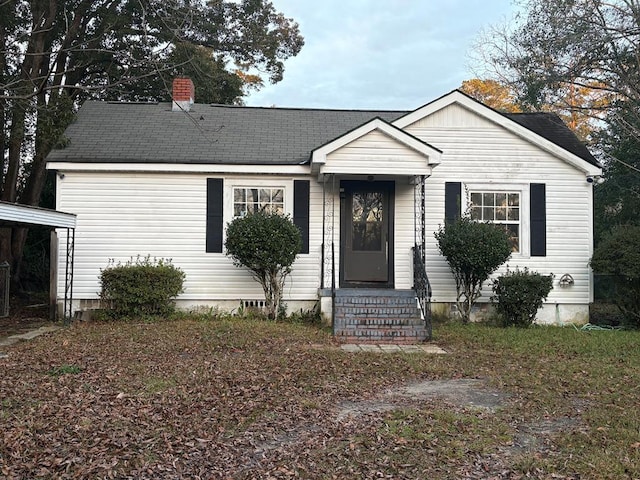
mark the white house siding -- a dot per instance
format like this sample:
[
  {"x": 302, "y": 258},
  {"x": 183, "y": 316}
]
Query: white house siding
[
  {"x": 122, "y": 215},
  {"x": 476, "y": 151},
  {"x": 376, "y": 154},
  {"x": 404, "y": 234}
]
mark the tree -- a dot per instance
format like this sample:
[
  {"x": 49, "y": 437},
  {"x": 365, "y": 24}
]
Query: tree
[
  {"x": 617, "y": 199},
  {"x": 582, "y": 58},
  {"x": 493, "y": 94},
  {"x": 577, "y": 57},
  {"x": 618, "y": 257},
  {"x": 474, "y": 250},
  {"x": 267, "y": 244},
  {"x": 56, "y": 54}
]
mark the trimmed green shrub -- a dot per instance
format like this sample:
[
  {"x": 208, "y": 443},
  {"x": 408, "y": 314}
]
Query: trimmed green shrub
[
  {"x": 141, "y": 286},
  {"x": 618, "y": 256},
  {"x": 267, "y": 244},
  {"x": 519, "y": 294},
  {"x": 474, "y": 250}
]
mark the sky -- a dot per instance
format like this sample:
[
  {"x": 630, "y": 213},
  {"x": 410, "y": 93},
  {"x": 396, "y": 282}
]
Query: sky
[{"x": 379, "y": 54}]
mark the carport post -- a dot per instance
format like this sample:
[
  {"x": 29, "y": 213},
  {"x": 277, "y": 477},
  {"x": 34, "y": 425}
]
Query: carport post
[{"x": 53, "y": 276}]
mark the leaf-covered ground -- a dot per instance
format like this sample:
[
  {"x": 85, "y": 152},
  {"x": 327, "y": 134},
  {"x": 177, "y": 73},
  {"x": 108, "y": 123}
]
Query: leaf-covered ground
[{"x": 243, "y": 399}]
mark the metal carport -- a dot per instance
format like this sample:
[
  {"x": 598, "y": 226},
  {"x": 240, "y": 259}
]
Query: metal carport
[{"x": 16, "y": 215}]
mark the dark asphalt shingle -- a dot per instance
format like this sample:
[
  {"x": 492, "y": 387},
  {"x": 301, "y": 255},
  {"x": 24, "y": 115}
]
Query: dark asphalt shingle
[{"x": 111, "y": 132}]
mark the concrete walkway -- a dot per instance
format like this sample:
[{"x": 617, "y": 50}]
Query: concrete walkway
[
  {"x": 11, "y": 339},
  {"x": 363, "y": 347}
]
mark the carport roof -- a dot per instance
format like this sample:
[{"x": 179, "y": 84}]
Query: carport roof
[{"x": 16, "y": 214}]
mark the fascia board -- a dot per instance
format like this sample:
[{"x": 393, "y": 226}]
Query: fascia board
[{"x": 179, "y": 168}]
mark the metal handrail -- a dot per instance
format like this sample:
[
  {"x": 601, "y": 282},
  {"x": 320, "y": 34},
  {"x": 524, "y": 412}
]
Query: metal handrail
[{"x": 422, "y": 287}]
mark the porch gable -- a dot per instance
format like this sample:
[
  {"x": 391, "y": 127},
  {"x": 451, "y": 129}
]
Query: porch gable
[{"x": 375, "y": 148}]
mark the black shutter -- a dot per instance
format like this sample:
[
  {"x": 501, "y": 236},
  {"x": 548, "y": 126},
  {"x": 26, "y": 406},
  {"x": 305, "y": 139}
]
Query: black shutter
[
  {"x": 301, "y": 210},
  {"x": 452, "y": 201},
  {"x": 538, "y": 220},
  {"x": 214, "y": 215}
]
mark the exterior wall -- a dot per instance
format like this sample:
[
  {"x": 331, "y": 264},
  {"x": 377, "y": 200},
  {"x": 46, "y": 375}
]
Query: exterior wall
[
  {"x": 479, "y": 152},
  {"x": 122, "y": 215}
]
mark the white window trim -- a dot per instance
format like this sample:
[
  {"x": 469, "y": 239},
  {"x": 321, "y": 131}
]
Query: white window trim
[
  {"x": 523, "y": 190},
  {"x": 230, "y": 183}
]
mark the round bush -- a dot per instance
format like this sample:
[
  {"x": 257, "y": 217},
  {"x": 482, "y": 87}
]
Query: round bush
[
  {"x": 140, "y": 287},
  {"x": 519, "y": 294}
]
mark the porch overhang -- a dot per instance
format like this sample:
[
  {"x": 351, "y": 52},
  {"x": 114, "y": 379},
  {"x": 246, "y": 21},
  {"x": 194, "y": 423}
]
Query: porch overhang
[{"x": 375, "y": 148}]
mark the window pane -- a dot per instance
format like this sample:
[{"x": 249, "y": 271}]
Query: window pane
[
  {"x": 252, "y": 195},
  {"x": 239, "y": 195},
  {"x": 514, "y": 214},
  {"x": 278, "y": 195},
  {"x": 265, "y": 195},
  {"x": 487, "y": 213},
  {"x": 239, "y": 210},
  {"x": 367, "y": 236},
  {"x": 501, "y": 213},
  {"x": 487, "y": 199},
  {"x": 476, "y": 213},
  {"x": 476, "y": 199},
  {"x": 501, "y": 199},
  {"x": 514, "y": 199},
  {"x": 514, "y": 237}
]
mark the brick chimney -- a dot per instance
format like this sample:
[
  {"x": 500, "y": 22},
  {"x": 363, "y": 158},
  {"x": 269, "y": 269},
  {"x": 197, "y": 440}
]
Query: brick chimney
[{"x": 183, "y": 94}]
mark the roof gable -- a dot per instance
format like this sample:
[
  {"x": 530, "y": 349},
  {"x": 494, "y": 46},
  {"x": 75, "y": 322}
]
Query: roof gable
[
  {"x": 411, "y": 144},
  {"x": 377, "y": 124},
  {"x": 545, "y": 130}
]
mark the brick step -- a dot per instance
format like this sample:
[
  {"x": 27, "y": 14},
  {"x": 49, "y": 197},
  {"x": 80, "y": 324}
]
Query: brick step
[
  {"x": 414, "y": 321},
  {"x": 377, "y": 300},
  {"x": 377, "y": 313},
  {"x": 414, "y": 335}
]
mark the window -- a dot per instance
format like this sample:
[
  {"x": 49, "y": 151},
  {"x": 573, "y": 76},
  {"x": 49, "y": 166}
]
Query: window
[
  {"x": 501, "y": 208},
  {"x": 248, "y": 200}
]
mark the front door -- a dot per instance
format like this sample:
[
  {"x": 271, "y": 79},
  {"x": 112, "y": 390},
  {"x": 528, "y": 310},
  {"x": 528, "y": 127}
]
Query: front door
[{"x": 366, "y": 234}]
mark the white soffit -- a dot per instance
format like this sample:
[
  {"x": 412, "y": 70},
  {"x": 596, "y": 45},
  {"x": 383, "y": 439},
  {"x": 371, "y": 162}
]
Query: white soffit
[{"x": 24, "y": 214}]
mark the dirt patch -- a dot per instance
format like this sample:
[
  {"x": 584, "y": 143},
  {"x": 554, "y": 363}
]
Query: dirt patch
[
  {"x": 459, "y": 392},
  {"x": 533, "y": 437}
]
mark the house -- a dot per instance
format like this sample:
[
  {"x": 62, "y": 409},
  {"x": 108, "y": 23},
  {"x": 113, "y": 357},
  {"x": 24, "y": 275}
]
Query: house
[{"x": 367, "y": 189}]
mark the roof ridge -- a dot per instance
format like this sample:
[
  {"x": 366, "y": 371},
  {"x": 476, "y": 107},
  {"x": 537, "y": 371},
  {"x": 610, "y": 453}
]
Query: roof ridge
[{"x": 304, "y": 109}]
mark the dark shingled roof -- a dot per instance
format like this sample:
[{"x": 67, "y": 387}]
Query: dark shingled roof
[
  {"x": 551, "y": 127},
  {"x": 111, "y": 132}
]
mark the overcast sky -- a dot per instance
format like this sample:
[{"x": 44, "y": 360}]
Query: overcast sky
[{"x": 385, "y": 54}]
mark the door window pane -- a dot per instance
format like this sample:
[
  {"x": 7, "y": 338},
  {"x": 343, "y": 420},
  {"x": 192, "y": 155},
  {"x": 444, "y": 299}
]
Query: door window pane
[{"x": 367, "y": 218}]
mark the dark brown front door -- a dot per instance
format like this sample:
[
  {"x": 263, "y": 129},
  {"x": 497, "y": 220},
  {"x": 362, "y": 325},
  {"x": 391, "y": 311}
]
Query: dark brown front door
[{"x": 366, "y": 239}]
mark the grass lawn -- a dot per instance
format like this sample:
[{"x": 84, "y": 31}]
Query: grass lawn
[{"x": 237, "y": 398}]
